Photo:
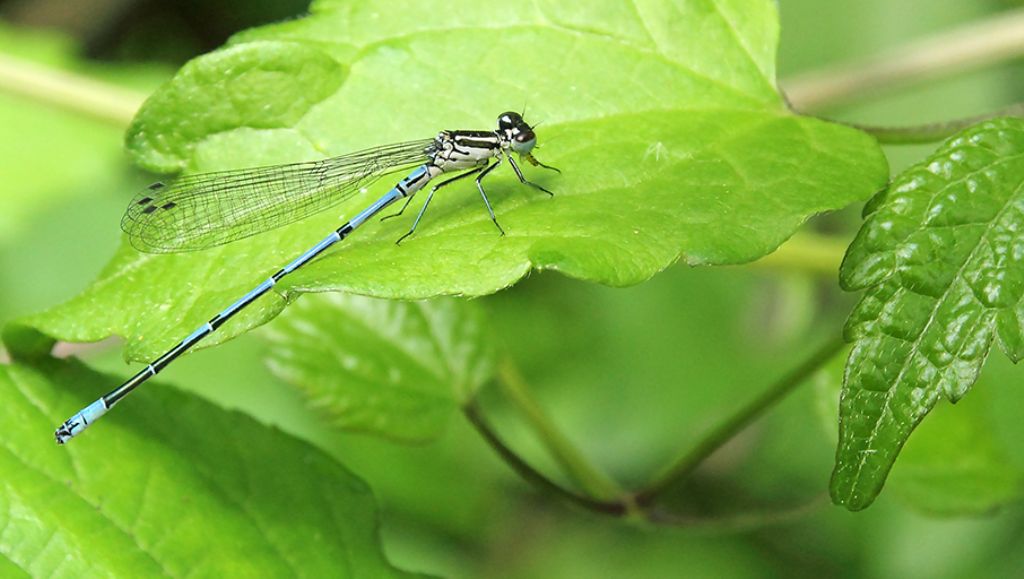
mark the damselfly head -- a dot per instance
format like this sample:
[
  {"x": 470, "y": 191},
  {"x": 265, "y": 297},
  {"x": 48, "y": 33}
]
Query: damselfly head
[{"x": 516, "y": 132}]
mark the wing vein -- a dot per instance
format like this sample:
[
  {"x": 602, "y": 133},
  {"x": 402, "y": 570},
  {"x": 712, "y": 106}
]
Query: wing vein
[{"x": 200, "y": 211}]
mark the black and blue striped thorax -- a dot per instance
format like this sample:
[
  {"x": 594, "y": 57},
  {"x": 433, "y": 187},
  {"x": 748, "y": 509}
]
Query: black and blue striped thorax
[{"x": 458, "y": 150}]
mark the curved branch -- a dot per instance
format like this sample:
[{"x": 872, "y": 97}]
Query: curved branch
[
  {"x": 740, "y": 522},
  {"x": 532, "y": 475},
  {"x": 931, "y": 132},
  {"x": 973, "y": 45},
  {"x": 733, "y": 426},
  {"x": 73, "y": 92},
  {"x": 594, "y": 482}
]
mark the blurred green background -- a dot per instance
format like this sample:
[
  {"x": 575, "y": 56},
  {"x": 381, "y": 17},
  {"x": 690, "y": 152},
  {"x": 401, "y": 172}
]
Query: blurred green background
[{"x": 634, "y": 376}]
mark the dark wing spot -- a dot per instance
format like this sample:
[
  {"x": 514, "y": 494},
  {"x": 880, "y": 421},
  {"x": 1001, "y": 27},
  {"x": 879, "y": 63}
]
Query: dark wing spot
[
  {"x": 168, "y": 205},
  {"x": 156, "y": 186},
  {"x": 145, "y": 200},
  {"x": 149, "y": 209}
]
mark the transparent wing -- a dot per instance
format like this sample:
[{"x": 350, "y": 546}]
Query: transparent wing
[{"x": 201, "y": 211}]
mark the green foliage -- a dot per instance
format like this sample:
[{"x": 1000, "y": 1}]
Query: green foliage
[
  {"x": 260, "y": 85},
  {"x": 397, "y": 369},
  {"x": 674, "y": 145},
  {"x": 667, "y": 154},
  {"x": 957, "y": 462},
  {"x": 939, "y": 255},
  {"x": 180, "y": 487}
]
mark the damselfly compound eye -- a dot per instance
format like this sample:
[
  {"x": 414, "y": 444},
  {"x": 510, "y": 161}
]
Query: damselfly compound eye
[{"x": 509, "y": 121}]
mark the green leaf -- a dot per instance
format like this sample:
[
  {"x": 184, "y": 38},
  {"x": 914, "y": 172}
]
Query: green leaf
[
  {"x": 664, "y": 118},
  {"x": 939, "y": 255},
  {"x": 397, "y": 369},
  {"x": 257, "y": 85},
  {"x": 956, "y": 463},
  {"x": 170, "y": 485}
]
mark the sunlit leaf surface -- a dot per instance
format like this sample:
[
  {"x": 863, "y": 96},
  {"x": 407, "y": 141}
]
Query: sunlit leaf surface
[
  {"x": 171, "y": 485},
  {"x": 663, "y": 116}
]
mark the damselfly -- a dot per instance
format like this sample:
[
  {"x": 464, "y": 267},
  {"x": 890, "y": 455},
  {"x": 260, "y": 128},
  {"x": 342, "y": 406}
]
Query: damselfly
[{"x": 201, "y": 211}]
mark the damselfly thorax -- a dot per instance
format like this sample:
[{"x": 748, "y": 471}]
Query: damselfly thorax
[{"x": 458, "y": 150}]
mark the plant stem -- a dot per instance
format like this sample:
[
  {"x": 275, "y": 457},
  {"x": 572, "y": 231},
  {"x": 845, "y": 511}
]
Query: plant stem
[
  {"x": 69, "y": 91},
  {"x": 973, "y": 45},
  {"x": 812, "y": 253},
  {"x": 740, "y": 522},
  {"x": 725, "y": 431},
  {"x": 932, "y": 132},
  {"x": 594, "y": 482},
  {"x": 530, "y": 474}
]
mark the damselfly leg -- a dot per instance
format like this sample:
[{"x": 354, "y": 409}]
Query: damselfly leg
[
  {"x": 427, "y": 202},
  {"x": 480, "y": 187},
  {"x": 522, "y": 179}
]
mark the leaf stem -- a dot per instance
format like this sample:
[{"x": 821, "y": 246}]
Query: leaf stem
[
  {"x": 530, "y": 474},
  {"x": 740, "y": 522},
  {"x": 973, "y": 45},
  {"x": 739, "y": 421},
  {"x": 69, "y": 91},
  {"x": 931, "y": 132},
  {"x": 807, "y": 252},
  {"x": 627, "y": 504},
  {"x": 594, "y": 482}
]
